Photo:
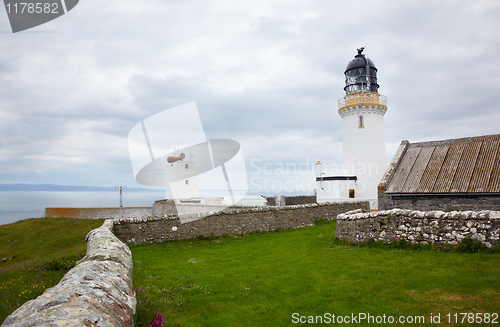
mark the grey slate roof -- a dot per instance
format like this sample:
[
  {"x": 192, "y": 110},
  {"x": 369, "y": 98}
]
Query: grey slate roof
[{"x": 467, "y": 165}]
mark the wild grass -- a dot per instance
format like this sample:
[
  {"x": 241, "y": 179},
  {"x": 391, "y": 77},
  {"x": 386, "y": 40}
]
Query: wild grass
[
  {"x": 35, "y": 254},
  {"x": 262, "y": 279}
]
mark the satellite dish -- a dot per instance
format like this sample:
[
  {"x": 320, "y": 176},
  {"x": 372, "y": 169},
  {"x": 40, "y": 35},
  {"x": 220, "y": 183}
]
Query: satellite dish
[
  {"x": 222, "y": 150},
  {"x": 182, "y": 155}
]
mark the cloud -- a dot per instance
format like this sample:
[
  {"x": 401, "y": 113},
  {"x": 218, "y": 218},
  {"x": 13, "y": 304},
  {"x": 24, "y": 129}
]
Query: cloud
[{"x": 266, "y": 74}]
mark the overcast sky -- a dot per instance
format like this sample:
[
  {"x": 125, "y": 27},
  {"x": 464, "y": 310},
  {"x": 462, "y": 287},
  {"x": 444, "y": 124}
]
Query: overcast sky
[{"x": 267, "y": 74}]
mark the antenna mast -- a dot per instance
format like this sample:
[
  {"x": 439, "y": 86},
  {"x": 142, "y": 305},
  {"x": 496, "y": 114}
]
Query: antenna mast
[{"x": 121, "y": 193}]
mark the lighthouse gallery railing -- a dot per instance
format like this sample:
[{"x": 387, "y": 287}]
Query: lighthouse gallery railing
[{"x": 363, "y": 98}]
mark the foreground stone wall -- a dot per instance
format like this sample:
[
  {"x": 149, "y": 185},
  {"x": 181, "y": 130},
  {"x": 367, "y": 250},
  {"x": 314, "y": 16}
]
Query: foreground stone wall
[
  {"x": 419, "y": 226},
  {"x": 236, "y": 221},
  {"x": 97, "y": 292}
]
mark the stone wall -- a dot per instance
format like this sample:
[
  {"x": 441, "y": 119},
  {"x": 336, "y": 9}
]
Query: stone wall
[
  {"x": 236, "y": 221},
  {"x": 96, "y": 292},
  {"x": 163, "y": 207},
  {"x": 272, "y": 200},
  {"x": 98, "y": 213},
  {"x": 168, "y": 207},
  {"x": 420, "y": 227},
  {"x": 447, "y": 202},
  {"x": 299, "y": 199}
]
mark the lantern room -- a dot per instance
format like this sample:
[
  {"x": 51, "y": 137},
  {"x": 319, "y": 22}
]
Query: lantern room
[{"x": 360, "y": 75}]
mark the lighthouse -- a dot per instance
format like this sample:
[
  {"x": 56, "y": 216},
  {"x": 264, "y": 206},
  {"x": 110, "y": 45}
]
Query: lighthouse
[{"x": 362, "y": 110}]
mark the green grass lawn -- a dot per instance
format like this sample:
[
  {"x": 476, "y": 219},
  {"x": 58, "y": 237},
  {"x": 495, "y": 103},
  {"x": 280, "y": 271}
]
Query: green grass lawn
[
  {"x": 262, "y": 279},
  {"x": 35, "y": 254}
]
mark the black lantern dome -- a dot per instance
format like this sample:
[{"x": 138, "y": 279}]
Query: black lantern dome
[{"x": 360, "y": 75}]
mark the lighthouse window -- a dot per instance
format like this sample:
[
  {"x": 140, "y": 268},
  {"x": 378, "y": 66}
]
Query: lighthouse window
[
  {"x": 187, "y": 181},
  {"x": 361, "y": 121},
  {"x": 351, "y": 194},
  {"x": 186, "y": 166}
]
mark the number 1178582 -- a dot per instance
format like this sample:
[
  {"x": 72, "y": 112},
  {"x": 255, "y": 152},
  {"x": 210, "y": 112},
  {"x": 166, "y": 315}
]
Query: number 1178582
[{"x": 33, "y": 8}]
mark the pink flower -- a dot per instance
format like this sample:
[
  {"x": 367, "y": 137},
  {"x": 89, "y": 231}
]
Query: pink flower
[{"x": 157, "y": 320}]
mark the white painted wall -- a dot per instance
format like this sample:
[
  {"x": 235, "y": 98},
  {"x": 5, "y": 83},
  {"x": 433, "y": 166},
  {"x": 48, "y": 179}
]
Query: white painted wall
[
  {"x": 364, "y": 148},
  {"x": 180, "y": 189},
  {"x": 332, "y": 191}
]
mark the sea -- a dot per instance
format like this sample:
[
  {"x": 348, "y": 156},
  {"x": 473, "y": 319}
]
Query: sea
[{"x": 19, "y": 205}]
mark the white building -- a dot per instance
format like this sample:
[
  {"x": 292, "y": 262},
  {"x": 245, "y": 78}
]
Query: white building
[
  {"x": 182, "y": 178},
  {"x": 362, "y": 110}
]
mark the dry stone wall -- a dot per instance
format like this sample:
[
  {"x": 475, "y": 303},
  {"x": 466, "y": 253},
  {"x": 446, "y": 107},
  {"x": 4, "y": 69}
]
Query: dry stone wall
[
  {"x": 298, "y": 199},
  {"x": 272, "y": 200},
  {"x": 419, "y": 226},
  {"x": 98, "y": 213},
  {"x": 448, "y": 202},
  {"x": 96, "y": 292},
  {"x": 236, "y": 221}
]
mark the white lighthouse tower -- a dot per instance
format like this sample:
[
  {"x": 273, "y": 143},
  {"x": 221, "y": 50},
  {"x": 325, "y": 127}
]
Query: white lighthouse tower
[
  {"x": 182, "y": 179},
  {"x": 362, "y": 110}
]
